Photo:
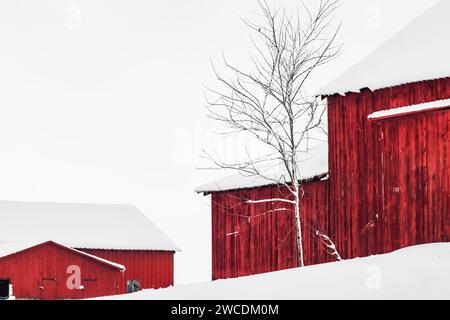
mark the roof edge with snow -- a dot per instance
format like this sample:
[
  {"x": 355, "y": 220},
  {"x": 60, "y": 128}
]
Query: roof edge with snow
[
  {"x": 313, "y": 166},
  {"x": 411, "y": 109},
  {"x": 21, "y": 247},
  {"x": 222, "y": 185}
]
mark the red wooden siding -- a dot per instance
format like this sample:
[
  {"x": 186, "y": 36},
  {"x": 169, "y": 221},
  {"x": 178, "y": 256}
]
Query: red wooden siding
[
  {"x": 389, "y": 180},
  {"x": 256, "y": 238},
  {"x": 153, "y": 269},
  {"x": 41, "y": 273}
]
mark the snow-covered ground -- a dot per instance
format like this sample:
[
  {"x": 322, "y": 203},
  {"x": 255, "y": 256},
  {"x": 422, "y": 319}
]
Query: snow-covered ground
[{"x": 421, "y": 272}]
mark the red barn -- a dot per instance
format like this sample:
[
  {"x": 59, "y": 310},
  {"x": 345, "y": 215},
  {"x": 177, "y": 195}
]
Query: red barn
[
  {"x": 72, "y": 251},
  {"x": 388, "y": 183}
]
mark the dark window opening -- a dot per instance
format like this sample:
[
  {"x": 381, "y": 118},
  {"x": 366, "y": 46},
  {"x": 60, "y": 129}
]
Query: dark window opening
[
  {"x": 4, "y": 288},
  {"x": 133, "y": 286}
]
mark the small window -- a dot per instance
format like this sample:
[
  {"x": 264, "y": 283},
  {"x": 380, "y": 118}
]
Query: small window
[
  {"x": 133, "y": 286},
  {"x": 4, "y": 288}
]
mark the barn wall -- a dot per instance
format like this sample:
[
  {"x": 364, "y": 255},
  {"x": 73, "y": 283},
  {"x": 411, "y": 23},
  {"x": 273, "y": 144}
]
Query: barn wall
[
  {"x": 46, "y": 266},
  {"x": 389, "y": 180},
  {"x": 250, "y": 239},
  {"x": 153, "y": 269}
]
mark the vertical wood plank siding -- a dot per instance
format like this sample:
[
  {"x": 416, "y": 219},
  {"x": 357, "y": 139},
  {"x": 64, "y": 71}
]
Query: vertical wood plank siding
[
  {"x": 153, "y": 269},
  {"x": 389, "y": 179},
  {"x": 388, "y": 188},
  {"x": 31, "y": 269},
  {"x": 32, "y": 272},
  {"x": 250, "y": 239}
]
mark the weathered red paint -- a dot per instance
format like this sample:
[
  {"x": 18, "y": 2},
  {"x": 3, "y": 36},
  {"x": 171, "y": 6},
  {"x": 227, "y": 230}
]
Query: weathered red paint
[
  {"x": 388, "y": 188},
  {"x": 153, "y": 269},
  {"x": 40, "y": 272},
  {"x": 256, "y": 238},
  {"x": 389, "y": 179}
]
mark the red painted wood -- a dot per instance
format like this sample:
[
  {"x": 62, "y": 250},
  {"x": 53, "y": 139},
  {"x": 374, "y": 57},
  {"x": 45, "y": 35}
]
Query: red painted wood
[
  {"x": 49, "y": 287},
  {"x": 388, "y": 187},
  {"x": 389, "y": 179},
  {"x": 41, "y": 273},
  {"x": 153, "y": 269},
  {"x": 250, "y": 239},
  {"x": 45, "y": 266}
]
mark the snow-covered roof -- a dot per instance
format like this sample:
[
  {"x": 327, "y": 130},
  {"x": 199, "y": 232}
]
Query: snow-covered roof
[
  {"x": 83, "y": 226},
  {"x": 7, "y": 249},
  {"x": 312, "y": 165},
  {"x": 419, "y": 51},
  {"x": 428, "y": 106}
]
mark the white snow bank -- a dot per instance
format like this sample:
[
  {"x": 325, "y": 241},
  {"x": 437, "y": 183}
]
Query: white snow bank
[
  {"x": 433, "y": 105},
  {"x": 312, "y": 164},
  {"x": 420, "y": 272},
  {"x": 83, "y": 226},
  {"x": 419, "y": 51}
]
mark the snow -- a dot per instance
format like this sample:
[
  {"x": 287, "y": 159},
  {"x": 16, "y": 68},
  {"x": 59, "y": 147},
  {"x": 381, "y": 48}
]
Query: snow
[
  {"x": 419, "y": 51},
  {"x": 438, "y": 104},
  {"x": 419, "y": 272},
  {"x": 313, "y": 164},
  {"x": 82, "y": 226},
  {"x": 114, "y": 264},
  {"x": 7, "y": 249}
]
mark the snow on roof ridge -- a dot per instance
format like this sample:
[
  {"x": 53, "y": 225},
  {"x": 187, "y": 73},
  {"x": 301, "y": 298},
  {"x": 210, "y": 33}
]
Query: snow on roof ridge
[
  {"x": 432, "y": 105},
  {"x": 402, "y": 59}
]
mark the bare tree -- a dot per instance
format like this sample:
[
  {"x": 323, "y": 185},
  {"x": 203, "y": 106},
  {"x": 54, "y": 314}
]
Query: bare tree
[{"x": 269, "y": 102}]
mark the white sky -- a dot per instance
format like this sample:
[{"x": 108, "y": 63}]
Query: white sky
[{"x": 103, "y": 100}]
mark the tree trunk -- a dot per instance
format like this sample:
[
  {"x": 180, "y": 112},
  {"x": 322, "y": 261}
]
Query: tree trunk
[{"x": 299, "y": 224}]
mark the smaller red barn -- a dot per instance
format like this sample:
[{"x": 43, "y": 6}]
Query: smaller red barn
[
  {"x": 50, "y": 270},
  {"x": 72, "y": 251}
]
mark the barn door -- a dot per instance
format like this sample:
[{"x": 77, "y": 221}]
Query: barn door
[
  {"x": 414, "y": 178},
  {"x": 4, "y": 289},
  {"x": 48, "y": 289}
]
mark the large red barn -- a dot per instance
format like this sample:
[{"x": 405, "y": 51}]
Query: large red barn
[
  {"x": 72, "y": 251},
  {"x": 388, "y": 182}
]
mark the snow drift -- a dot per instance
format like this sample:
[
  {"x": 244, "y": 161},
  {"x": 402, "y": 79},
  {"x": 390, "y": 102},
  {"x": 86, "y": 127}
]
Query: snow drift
[{"x": 420, "y": 272}]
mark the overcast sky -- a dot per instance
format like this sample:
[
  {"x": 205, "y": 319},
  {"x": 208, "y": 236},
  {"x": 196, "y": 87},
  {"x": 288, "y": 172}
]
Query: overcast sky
[{"x": 103, "y": 101}]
